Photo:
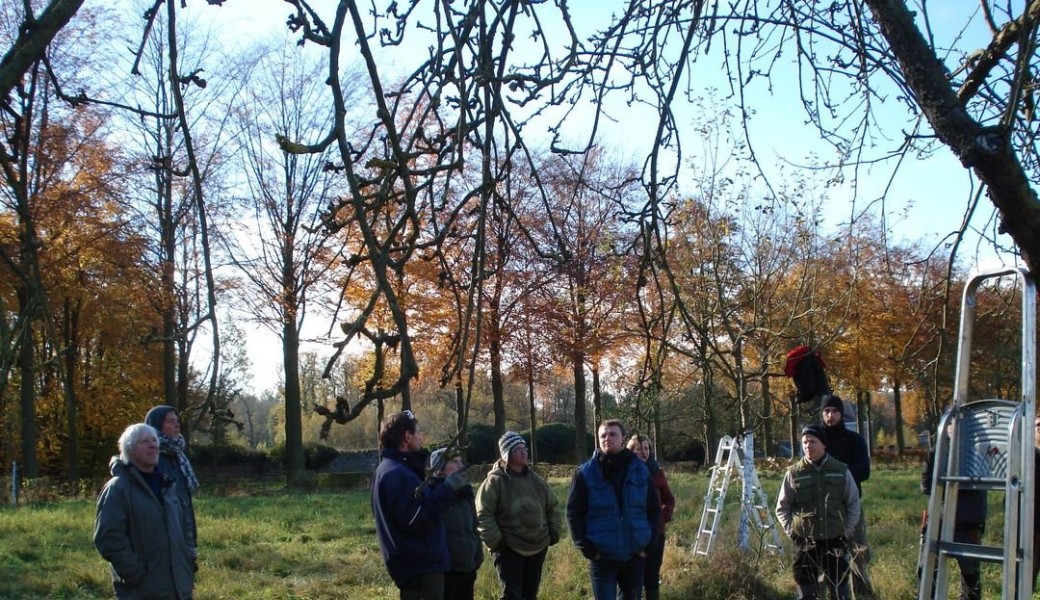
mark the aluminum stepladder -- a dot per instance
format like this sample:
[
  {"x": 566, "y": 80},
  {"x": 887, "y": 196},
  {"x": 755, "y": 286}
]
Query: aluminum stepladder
[
  {"x": 990, "y": 449},
  {"x": 737, "y": 454}
]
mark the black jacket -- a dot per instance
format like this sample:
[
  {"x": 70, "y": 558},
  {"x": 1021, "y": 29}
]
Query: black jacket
[
  {"x": 971, "y": 504},
  {"x": 850, "y": 448}
]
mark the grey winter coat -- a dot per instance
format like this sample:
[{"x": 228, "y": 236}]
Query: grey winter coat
[
  {"x": 143, "y": 538},
  {"x": 460, "y": 524}
]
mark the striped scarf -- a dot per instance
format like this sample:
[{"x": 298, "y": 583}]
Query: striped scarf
[{"x": 176, "y": 446}]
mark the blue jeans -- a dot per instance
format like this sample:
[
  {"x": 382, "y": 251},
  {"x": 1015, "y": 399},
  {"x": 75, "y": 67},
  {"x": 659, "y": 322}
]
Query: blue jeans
[{"x": 613, "y": 579}]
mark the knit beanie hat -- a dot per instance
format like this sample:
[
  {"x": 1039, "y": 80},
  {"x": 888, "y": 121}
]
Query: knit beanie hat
[
  {"x": 817, "y": 432},
  {"x": 507, "y": 442},
  {"x": 833, "y": 401},
  {"x": 157, "y": 415},
  {"x": 438, "y": 460}
]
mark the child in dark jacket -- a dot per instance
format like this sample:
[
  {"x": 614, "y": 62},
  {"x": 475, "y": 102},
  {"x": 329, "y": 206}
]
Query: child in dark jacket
[{"x": 460, "y": 524}]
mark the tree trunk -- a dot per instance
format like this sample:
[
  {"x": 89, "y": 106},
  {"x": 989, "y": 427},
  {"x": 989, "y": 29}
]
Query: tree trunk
[
  {"x": 767, "y": 416},
  {"x": 460, "y": 413},
  {"x": 534, "y": 413},
  {"x": 497, "y": 385},
  {"x": 897, "y": 398},
  {"x": 171, "y": 340},
  {"x": 27, "y": 369},
  {"x": 71, "y": 335},
  {"x": 863, "y": 397},
  {"x": 32, "y": 42},
  {"x": 182, "y": 402},
  {"x": 711, "y": 421},
  {"x": 294, "y": 463},
  {"x": 581, "y": 451},
  {"x": 597, "y": 398},
  {"x": 796, "y": 440}
]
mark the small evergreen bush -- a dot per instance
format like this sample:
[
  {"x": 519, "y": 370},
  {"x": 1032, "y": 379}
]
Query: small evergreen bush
[
  {"x": 315, "y": 456},
  {"x": 225, "y": 454}
]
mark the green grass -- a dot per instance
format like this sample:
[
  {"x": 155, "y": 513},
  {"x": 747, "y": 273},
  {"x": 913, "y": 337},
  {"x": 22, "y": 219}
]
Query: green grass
[{"x": 273, "y": 545}]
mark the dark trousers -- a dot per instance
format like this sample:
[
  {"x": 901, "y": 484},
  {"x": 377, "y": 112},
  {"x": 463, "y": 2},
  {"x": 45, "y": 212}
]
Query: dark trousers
[
  {"x": 520, "y": 576},
  {"x": 614, "y": 579},
  {"x": 654, "y": 558},
  {"x": 971, "y": 568},
  {"x": 1036, "y": 552},
  {"x": 427, "y": 586},
  {"x": 827, "y": 556},
  {"x": 458, "y": 585}
]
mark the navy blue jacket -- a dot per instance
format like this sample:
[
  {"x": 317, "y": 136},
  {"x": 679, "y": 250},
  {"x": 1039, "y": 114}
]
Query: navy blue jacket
[
  {"x": 612, "y": 507},
  {"x": 409, "y": 526}
]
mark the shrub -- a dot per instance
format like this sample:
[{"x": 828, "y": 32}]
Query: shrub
[
  {"x": 556, "y": 443},
  {"x": 315, "y": 456},
  {"x": 687, "y": 449},
  {"x": 483, "y": 444},
  {"x": 225, "y": 454}
]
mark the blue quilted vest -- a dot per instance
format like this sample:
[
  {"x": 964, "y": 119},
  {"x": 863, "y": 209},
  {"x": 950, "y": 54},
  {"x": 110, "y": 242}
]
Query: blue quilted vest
[{"x": 618, "y": 532}]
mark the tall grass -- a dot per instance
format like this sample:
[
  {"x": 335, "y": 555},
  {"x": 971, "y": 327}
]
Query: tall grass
[{"x": 272, "y": 545}]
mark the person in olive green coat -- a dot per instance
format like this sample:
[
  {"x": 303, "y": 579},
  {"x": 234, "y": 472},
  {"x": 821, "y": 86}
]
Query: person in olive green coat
[
  {"x": 818, "y": 508},
  {"x": 519, "y": 518},
  {"x": 139, "y": 529}
]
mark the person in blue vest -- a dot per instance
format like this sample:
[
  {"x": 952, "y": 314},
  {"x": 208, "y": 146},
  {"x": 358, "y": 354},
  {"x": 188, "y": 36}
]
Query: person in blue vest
[
  {"x": 409, "y": 512},
  {"x": 613, "y": 511},
  {"x": 818, "y": 508}
]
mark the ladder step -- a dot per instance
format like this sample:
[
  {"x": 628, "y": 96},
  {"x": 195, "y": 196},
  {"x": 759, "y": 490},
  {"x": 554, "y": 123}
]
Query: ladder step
[
  {"x": 976, "y": 483},
  {"x": 986, "y": 553}
]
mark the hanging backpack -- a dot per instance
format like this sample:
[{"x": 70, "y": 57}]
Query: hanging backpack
[{"x": 805, "y": 367}]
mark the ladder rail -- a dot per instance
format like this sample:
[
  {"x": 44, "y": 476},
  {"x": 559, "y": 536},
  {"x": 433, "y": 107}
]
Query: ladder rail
[
  {"x": 755, "y": 511},
  {"x": 714, "y": 498},
  {"x": 928, "y": 561}
]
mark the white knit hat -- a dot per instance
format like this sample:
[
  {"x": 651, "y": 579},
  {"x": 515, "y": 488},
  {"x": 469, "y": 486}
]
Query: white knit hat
[
  {"x": 507, "y": 442},
  {"x": 437, "y": 460}
]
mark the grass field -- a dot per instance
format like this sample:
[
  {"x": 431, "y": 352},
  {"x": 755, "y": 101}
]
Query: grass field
[{"x": 270, "y": 545}]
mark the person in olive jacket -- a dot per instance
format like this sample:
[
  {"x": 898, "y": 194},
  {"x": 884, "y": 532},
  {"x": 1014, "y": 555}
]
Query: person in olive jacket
[
  {"x": 818, "y": 508},
  {"x": 138, "y": 528},
  {"x": 519, "y": 518}
]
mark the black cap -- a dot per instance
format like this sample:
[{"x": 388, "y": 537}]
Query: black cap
[
  {"x": 833, "y": 401},
  {"x": 817, "y": 432}
]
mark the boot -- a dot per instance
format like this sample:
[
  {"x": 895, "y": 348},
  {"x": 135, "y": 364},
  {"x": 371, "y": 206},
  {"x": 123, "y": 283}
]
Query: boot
[{"x": 653, "y": 594}]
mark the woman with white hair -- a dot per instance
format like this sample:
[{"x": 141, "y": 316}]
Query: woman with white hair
[{"x": 138, "y": 528}]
